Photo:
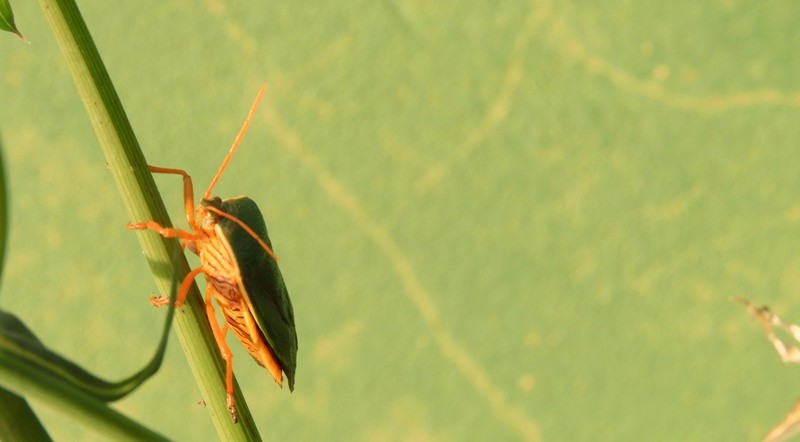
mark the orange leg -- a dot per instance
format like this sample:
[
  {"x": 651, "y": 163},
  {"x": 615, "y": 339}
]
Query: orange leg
[
  {"x": 186, "y": 238},
  {"x": 225, "y": 351},
  {"x": 166, "y": 232},
  {"x": 183, "y": 290},
  {"x": 188, "y": 191}
]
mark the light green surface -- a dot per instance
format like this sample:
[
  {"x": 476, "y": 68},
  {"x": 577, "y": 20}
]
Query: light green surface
[{"x": 497, "y": 220}]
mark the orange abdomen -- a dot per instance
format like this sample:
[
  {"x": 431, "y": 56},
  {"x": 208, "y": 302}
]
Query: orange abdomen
[{"x": 226, "y": 285}]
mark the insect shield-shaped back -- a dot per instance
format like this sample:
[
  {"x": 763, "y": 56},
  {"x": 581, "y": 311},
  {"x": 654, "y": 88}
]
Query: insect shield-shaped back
[{"x": 264, "y": 290}]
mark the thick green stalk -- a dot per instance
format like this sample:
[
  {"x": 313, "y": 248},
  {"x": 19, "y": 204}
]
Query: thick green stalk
[{"x": 136, "y": 185}]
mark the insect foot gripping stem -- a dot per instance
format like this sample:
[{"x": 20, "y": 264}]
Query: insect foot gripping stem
[{"x": 183, "y": 290}]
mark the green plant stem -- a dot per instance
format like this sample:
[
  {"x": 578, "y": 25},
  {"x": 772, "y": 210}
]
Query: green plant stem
[{"x": 136, "y": 185}]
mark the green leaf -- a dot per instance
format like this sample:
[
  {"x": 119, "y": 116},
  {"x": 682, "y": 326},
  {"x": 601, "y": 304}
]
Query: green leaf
[
  {"x": 26, "y": 361},
  {"x": 19, "y": 342},
  {"x": 7, "y": 19},
  {"x": 17, "y": 419}
]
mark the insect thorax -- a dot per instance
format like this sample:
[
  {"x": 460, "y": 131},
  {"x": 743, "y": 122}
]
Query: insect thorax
[{"x": 207, "y": 219}]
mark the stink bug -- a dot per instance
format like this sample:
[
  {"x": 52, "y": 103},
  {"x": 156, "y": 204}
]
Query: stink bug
[{"x": 241, "y": 271}]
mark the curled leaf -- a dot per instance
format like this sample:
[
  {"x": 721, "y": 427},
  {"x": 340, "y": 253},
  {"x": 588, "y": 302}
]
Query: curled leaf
[{"x": 19, "y": 347}]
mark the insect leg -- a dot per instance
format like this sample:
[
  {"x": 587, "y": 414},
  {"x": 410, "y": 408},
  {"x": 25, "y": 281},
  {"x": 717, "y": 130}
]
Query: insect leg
[
  {"x": 187, "y": 239},
  {"x": 166, "y": 232},
  {"x": 188, "y": 191},
  {"x": 225, "y": 351},
  {"x": 183, "y": 290}
]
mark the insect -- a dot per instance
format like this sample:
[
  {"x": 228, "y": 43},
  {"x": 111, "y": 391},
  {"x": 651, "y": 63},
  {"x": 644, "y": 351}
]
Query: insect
[{"x": 241, "y": 271}]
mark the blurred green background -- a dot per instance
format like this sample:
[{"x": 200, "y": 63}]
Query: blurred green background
[{"x": 499, "y": 220}]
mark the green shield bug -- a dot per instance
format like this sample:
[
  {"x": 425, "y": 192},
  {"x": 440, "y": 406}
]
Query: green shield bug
[{"x": 241, "y": 271}]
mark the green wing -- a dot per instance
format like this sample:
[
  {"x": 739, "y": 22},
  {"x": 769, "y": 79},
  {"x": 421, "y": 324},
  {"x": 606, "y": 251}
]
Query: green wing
[{"x": 263, "y": 282}]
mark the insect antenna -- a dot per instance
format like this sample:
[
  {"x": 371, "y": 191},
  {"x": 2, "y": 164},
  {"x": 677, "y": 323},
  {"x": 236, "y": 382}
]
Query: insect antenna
[
  {"x": 246, "y": 228},
  {"x": 236, "y": 142}
]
